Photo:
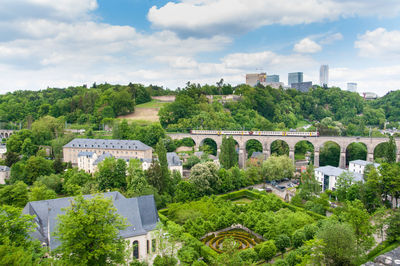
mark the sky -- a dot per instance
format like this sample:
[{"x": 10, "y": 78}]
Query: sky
[{"x": 61, "y": 43}]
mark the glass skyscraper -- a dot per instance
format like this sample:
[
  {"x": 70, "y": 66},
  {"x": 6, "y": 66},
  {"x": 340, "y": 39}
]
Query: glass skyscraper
[
  {"x": 324, "y": 75},
  {"x": 272, "y": 78},
  {"x": 295, "y": 77}
]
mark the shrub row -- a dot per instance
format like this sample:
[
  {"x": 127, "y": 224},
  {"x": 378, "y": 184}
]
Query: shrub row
[
  {"x": 244, "y": 238},
  {"x": 257, "y": 195},
  {"x": 207, "y": 238}
]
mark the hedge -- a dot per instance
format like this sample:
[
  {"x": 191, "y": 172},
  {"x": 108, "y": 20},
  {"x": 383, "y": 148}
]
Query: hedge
[{"x": 258, "y": 195}]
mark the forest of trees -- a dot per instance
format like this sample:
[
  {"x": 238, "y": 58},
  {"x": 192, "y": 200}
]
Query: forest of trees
[
  {"x": 331, "y": 111},
  {"x": 81, "y": 105}
]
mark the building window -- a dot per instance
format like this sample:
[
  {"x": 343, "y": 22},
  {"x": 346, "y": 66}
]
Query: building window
[
  {"x": 136, "y": 249},
  {"x": 148, "y": 246},
  {"x": 153, "y": 245}
]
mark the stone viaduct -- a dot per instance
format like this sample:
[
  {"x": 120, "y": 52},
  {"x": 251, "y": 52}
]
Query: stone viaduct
[
  {"x": 6, "y": 133},
  {"x": 266, "y": 142}
]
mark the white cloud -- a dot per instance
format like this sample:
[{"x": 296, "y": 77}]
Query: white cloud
[
  {"x": 307, "y": 46},
  {"x": 379, "y": 43},
  {"x": 55, "y": 9},
  {"x": 366, "y": 78},
  {"x": 331, "y": 38},
  {"x": 221, "y": 17}
]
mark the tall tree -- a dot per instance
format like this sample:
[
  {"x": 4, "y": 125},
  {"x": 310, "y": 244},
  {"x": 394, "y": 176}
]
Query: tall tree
[
  {"x": 228, "y": 157},
  {"x": 14, "y": 195},
  {"x": 391, "y": 150},
  {"x": 164, "y": 171},
  {"x": 278, "y": 167},
  {"x": 340, "y": 243},
  {"x": 97, "y": 223},
  {"x": 111, "y": 173}
]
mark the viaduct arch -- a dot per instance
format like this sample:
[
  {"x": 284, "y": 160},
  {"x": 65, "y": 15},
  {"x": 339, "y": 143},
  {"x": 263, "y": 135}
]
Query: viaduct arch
[
  {"x": 266, "y": 141},
  {"x": 6, "y": 133}
]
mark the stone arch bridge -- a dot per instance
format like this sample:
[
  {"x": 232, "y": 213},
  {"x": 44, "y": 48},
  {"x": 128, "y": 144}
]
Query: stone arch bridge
[
  {"x": 6, "y": 133},
  {"x": 266, "y": 142}
]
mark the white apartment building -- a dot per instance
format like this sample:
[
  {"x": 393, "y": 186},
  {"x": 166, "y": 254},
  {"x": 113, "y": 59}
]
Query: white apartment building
[
  {"x": 328, "y": 175},
  {"x": 358, "y": 166},
  {"x": 3, "y": 150},
  {"x": 4, "y": 174}
]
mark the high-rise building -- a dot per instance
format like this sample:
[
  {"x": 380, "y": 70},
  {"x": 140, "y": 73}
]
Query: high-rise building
[
  {"x": 295, "y": 77},
  {"x": 272, "y": 78},
  {"x": 352, "y": 86},
  {"x": 324, "y": 75},
  {"x": 255, "y": 79}
]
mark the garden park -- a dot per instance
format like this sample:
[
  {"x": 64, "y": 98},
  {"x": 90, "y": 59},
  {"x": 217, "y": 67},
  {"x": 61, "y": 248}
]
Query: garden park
[{"x": 259, "y": 226}]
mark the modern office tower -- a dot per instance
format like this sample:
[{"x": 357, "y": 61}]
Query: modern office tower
[
  {"x": 352, "y": 86},
  {"x": 255, "y": 79},
  {"x": 295, "y": 77},
  {"x": 272, "y": 78},
  {"x": 302, "y": 86},
  {"x": 324, "y": 75}
]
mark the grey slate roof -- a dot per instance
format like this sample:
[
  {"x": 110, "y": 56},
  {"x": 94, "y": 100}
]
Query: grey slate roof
[
  {"x": 102, "y": 157},
  {"x": 4, "y": 168},
  {"x": 173, "y": 159},
  {"x": 364, "y": 163},
  {"x": 114, "y": 144},
  {"x": 85, "y": 153},
  {"x": 336, "y": 171},
  {"x": 140, "y": 212}
]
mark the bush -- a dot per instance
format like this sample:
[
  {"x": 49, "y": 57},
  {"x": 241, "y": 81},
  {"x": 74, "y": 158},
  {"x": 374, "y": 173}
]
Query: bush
[
  {"x": 298, "y": 238},
  {"x": 280, "y": 262},
  {"x": 268, "y": 250},
  {"x": 249, "y": 255},
  {"x": 163, "y": 261}
]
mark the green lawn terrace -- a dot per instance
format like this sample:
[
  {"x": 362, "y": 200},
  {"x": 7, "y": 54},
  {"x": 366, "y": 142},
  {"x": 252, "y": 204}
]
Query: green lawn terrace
[{"x": 208, "y": 221}]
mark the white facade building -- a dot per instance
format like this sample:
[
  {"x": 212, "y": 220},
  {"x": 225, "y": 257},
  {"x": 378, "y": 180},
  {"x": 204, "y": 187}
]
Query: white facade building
[
  {"x": 358, "y": 166},
  {"x": 4, "y": 174},
  {"x": 3, "y": 150},
  {"x": 174, "y": 162},
  {"x": 86, "y": 161},
  {"x": 328, "y": 175}
]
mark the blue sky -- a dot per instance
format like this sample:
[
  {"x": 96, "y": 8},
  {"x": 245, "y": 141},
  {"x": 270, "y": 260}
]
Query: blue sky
[{"x": 47, "y": 43}]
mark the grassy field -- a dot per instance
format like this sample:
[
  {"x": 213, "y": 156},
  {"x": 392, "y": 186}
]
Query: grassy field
[
  {"x": 145, "y": 113},
  {"x": 152, "y": 104}
]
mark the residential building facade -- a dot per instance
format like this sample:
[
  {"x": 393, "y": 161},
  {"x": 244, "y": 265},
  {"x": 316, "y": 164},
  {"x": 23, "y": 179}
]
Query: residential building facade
[
  {"x": 140, "y": 213},
  {"x": 4, "y": 174},
  {"x": 174, "y": 162},
  {"x": 328, "y": 175},
  {"x": 134, "y": 149},
  {"x": 358, "y": 166},
  {"x": 3, "y": 150}
]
